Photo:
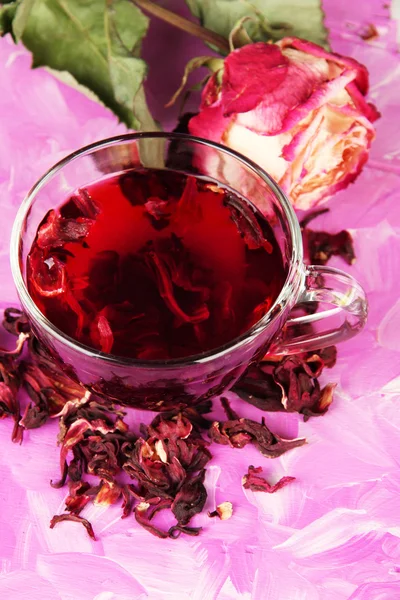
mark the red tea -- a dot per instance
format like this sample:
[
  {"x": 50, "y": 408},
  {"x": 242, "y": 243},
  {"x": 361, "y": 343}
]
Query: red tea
[{"x": 154, "y": 264}]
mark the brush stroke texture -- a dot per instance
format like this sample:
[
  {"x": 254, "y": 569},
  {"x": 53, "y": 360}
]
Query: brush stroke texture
[{"x": 334, "y": 534}]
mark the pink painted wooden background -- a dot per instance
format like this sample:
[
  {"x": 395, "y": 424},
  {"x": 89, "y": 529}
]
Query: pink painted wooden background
[{"x": 334, "y": 534}]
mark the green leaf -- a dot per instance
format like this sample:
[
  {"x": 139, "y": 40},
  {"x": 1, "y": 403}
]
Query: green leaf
[
  {"x": 268, "y": 19},
  {"x": 7, "y": 14},
  {"x": 21, "y": 18},
  {"x": 97, "y": 41}
]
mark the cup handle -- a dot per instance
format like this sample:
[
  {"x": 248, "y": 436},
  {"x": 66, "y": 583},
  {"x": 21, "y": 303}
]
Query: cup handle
[{"x": 313, "y": 331}]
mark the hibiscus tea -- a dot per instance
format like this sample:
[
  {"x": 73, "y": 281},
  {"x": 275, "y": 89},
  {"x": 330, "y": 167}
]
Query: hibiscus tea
[{"x": 154, "y": 265}]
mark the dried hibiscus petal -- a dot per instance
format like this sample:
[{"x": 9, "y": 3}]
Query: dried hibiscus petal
[
  {"x": 15, "y": 321},
  {"x": 182, "y": 447},
  {"x": 37, "y": 413},
  {"x": 56, "y": 230},
  {"x": 322, "y": 246},
  {"x": 145, "y": 511},
  {"x": 189, "y": 208},
  {"x": 194, "y": 414},
  {"x": 47, "y": 275},
  {"x": 146, "y": 466},
  {"x": 101, "y": 455},
  {"x": 46, "y": 383},
  {"x": 253, "y": 481},
  {"x": 74, "y": 518},
  {"x": 369, "y": 33},
  {"x": 301, "y": 389},
  {"x": 250, "y": 229},
  {"x": 9, "y": 402},
  {"x": 98, "y": 439},
  {"x": 324, "y": 401},
  {"x": 158, "y": 211},
  {"x": 108, "y": 493},
  {"x": 238, "y": 432},
  {"x": 61, "y": 482},
  {"x": 165, "y": 286},
  {"x": 85, "y": 203},
  {"x": 190, "y": 499},
  {"x": 260, "y": 390},
  {"x": 128, "y": 501},
  {"x": 77, "y": 498},
  {"x": 175, "y": 531},
  {"x": 11, "y": 354},
  {"x": 170, "y": 429},
  {"x": 46, "y": 398},
  {"x": 289, "y": 383},
  {"x": 101, "y": 333}
]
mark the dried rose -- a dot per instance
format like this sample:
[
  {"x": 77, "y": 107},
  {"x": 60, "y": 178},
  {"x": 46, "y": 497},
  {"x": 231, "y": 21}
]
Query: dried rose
[{"x": 296, "y": 110}]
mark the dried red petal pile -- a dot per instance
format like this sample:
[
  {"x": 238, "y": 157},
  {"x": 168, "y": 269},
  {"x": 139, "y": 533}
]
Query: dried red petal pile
[
  {"x": 47, "y": 386},
  {"x": 290, "y": 383},
  {"x": 167, "y": 460},
  {"x": 9, "y": 403},
  {"x": 10, "y": 377}
]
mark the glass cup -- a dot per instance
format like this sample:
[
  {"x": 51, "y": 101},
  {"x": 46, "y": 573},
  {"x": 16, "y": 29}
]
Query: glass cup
[{"x": 165, "y": 384}]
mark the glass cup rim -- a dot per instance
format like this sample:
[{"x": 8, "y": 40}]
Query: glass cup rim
[{"x": 295, "y": 264}]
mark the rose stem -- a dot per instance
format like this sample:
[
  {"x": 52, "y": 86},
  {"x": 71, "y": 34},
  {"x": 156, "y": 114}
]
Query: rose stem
[{"x": 181, "y": 23}]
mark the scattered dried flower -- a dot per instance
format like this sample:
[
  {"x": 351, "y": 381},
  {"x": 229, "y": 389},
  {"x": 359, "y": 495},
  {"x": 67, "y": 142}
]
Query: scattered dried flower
[
  {"x": 254, "y": 482},
  {"x": 322, "y": 246},
  {"x": 167, "y": 462},
  {"x": 238, "y": 432},
  {"x": 290, "y": 383},
  {"x": 369, "y": 33},
  {"x": 224, "y": 511},
  {"x": 76, "y": 519}
]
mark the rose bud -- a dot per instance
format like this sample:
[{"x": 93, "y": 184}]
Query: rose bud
[{"x": 296, "y": 110}]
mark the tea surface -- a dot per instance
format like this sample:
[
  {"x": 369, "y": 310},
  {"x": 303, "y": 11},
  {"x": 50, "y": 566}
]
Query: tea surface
[{"x": 154, "y": 264}]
